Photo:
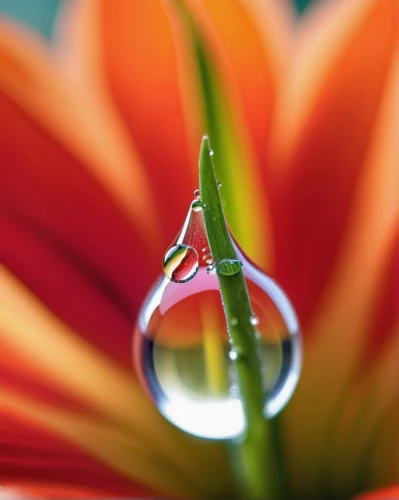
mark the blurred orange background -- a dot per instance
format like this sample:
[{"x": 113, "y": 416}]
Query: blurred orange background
[{"x": 102, "y": 107}]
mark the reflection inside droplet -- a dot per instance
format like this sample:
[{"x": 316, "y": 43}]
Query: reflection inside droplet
[{"x": 180, "y": 263}]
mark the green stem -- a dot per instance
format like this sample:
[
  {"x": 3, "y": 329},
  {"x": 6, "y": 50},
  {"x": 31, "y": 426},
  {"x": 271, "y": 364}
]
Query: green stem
[{"x": 255, "y": 454}]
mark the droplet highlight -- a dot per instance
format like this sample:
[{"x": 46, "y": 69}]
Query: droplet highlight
[
  {"x": 211, "y": 269},
  {"x": 180, "y": 263},
  {"x": 228, "y": 267},
  {"x": 211, "y": 153},
  {"x": 233, "y": 355},
  {"x": 254, "y": 320}
]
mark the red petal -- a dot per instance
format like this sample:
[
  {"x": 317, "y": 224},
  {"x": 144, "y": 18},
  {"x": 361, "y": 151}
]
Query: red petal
[
  {"x": 390, "y": 493},
  {"x": 27, "y": 453},
  {"x": 62, "y": 225}
]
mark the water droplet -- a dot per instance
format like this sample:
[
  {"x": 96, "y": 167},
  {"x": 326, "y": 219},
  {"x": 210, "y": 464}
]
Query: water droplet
[
  {"x": 211, "y": 153},
  {"x": 198, "y": 206},
  {"x": 233, "y": 355},
  {"x": 228, "y": 267},
  {"x": 197, "y": 194},
  {"x": 204, "y": 250},
  {"x": 181, "y": 343},
  {"x": 211, "y": 269},
  {"x": 219, "y": 184},
  {"x": 208, "y": 259},
  {"x": 234, "y": 321},
  {"x": 180, "y": 263},
  {"x": 254, "y": 320}
]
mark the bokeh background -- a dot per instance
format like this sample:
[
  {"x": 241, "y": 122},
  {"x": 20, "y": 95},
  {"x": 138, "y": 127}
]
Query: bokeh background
[{"x": 94, "y": 186}]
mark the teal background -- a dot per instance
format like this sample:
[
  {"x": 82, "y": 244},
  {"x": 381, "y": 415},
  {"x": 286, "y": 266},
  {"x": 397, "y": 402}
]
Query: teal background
[
  {"x": 41, "y": 14},
  {"x": 38, "y": 13}
]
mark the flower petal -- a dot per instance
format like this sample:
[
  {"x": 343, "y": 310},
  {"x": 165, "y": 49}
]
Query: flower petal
[
  {"x": 29, "y": 454},
  {"x": 116, "y": 419},
  {"x": 82, "y": 121},
  {"x": 142, "y": 71},
  {"x": 160, "y": 79},
  {"x": 325, "y": 125},
  {"x": 252, "y": 37},
  {"x": 53, "y": 205},
  {"x": 338, "y": 333}
]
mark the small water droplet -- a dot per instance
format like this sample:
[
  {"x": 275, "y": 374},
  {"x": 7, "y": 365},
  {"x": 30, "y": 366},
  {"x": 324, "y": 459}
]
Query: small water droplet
[
  {"x": 219, "y": 184},
  {"x": 228, "y": 267},
  {"x": 208, "y": 259},
  {"x": 197, "y": 194},
  {"x": 233, "y": 355},
  {"x": 211, "y": 153},
  {"x": 180, "y": 263},
  {"x": 254, "y": 320},
  {"x": 211, "y": 269},
  {"x": 234, "y": 321},
  {"x": 197, "y": 206},
  {"x": 204, "y": 250}
]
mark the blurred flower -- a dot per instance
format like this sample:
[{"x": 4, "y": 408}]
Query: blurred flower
[{"x": 99, "y": 138}]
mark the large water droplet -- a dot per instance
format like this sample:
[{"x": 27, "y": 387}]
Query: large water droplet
[
  {"x": 180, "y": 263},
  {"x": 182, "y": 350}
]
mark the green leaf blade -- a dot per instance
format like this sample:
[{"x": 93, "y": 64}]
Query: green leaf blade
[{"x": 255, "y": 456}]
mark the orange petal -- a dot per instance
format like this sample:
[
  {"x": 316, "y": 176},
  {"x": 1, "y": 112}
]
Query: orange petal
[
  {"x": 252, "y": 37},
  {"x": 319, "y": 151},
  {"x": 142, "y": 71}
]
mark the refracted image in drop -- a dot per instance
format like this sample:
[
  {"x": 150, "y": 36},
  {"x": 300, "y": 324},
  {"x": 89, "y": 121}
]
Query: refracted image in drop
[{"x": 181, "y": 344}]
